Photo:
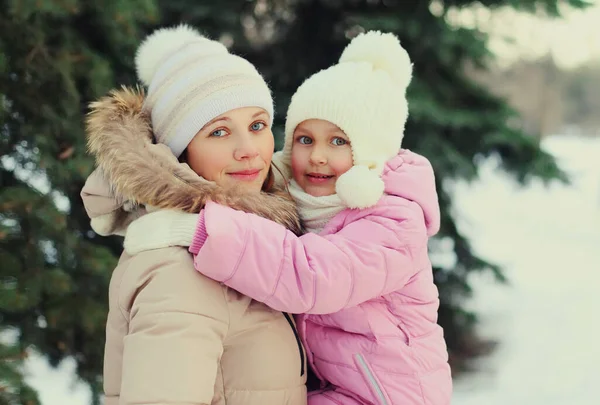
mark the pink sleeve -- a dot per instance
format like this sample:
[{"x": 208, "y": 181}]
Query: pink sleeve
[{"x": 368, "y": 258}]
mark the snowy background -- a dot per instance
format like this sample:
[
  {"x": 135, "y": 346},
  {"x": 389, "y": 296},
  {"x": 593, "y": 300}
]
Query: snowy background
[{"x": 548, "y": 240}]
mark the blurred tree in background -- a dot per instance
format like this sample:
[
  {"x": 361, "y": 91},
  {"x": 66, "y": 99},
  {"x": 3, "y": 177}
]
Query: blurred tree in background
[
  {"x": 56, "y": 56},
  {"x": 550, "y": 99}
]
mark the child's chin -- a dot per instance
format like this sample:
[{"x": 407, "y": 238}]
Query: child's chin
[{"x": 320, "y": 191}]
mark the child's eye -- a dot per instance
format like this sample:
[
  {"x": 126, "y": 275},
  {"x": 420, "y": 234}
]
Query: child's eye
[
  {"x": 339, "y": 141},
  {"x": 218, "y": 133},
  {"x": 304, "y": 140},
  {"x": 257, "y": 126}
]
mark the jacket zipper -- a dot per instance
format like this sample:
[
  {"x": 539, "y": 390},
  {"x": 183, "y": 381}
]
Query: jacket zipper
[
  {"x": 300, "y": 348},
  {"x": 371, "y": 378}
]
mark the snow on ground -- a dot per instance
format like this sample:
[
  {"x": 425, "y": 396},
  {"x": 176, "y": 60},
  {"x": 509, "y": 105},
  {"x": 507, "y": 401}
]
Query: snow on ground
[
  {"x": 548, "y": 240},
  {"x": 56, "y": 386}
]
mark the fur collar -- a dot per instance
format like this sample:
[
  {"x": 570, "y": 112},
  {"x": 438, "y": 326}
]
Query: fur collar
[{"x": 119, "y": 136}]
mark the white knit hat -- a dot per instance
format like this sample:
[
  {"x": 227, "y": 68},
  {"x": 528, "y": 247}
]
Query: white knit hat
[
  {"x": 191, "y": 80},
  {"x": 365, "y": 96}
]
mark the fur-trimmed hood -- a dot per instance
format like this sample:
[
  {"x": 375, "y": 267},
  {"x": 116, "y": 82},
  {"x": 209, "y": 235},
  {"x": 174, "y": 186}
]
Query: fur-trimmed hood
[{"x": 133, "y": 172}]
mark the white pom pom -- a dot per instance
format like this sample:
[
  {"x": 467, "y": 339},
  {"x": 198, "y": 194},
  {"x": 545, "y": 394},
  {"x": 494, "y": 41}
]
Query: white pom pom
[
  {"x": 359, "y": 187},
  {"x": 159, "y": 44},
  {"x": 383, "y": 51}
]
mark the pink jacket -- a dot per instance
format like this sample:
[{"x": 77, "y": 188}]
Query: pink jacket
[{"x": 364, "y": 286}]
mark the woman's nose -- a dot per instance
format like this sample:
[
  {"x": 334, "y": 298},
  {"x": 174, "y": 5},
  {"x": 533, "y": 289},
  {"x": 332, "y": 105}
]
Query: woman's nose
[{"x": 246, "y": 147}]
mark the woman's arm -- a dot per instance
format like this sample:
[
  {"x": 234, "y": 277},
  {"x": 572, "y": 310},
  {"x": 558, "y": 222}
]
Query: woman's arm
[{"x": 177, "y": 326}]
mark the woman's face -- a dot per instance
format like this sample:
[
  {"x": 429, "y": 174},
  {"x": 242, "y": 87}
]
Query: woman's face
[{"x": 235, "y": 148}]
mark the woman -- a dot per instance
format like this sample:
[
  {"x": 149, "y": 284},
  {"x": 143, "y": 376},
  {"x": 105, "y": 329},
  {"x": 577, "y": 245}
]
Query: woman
[{"x": 174, "y": 336}]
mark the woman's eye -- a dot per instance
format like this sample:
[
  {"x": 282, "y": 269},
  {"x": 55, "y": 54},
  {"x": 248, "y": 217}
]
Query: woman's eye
[
  {"x": 218, "y": 133},
  {"x": 304, "y": 140},
  {"x": 257, "y": 126},
  {"x": 339, "y": 141}
]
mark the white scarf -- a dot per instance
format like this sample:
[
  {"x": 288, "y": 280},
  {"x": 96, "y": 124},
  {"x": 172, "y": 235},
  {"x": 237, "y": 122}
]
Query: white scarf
[{"x": 315, "y": 212}]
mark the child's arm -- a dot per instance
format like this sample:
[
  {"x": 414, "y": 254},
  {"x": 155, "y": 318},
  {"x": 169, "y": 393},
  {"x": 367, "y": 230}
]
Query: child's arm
[{"x": 368, "y": 258}]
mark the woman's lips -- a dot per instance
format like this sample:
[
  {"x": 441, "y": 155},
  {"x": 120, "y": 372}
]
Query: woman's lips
[{"x": 245, "y": 175}]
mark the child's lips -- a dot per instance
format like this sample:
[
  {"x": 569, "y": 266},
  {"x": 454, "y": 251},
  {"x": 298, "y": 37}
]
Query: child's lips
[{"x": 318, "y": 178}]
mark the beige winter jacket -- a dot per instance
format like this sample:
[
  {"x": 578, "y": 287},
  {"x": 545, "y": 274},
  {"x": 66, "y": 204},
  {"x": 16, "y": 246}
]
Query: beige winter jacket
[{"x": 174, "y": 336}]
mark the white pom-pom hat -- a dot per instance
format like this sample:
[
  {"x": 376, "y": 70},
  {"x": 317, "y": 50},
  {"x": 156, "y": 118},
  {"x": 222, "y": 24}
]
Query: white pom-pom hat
[
  {"x": 365, "y": 96},
  {"x": 191, "y": 80}
]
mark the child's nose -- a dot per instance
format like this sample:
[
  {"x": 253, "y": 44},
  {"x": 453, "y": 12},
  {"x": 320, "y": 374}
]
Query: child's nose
[{"x": 318, "y": 158}]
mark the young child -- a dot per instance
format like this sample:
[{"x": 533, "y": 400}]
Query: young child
[{"x": 361, "y": 280}]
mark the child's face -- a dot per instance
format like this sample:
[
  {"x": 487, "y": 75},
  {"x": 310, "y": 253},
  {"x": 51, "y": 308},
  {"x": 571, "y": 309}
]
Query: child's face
[{"x": 321, "y": 153}]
